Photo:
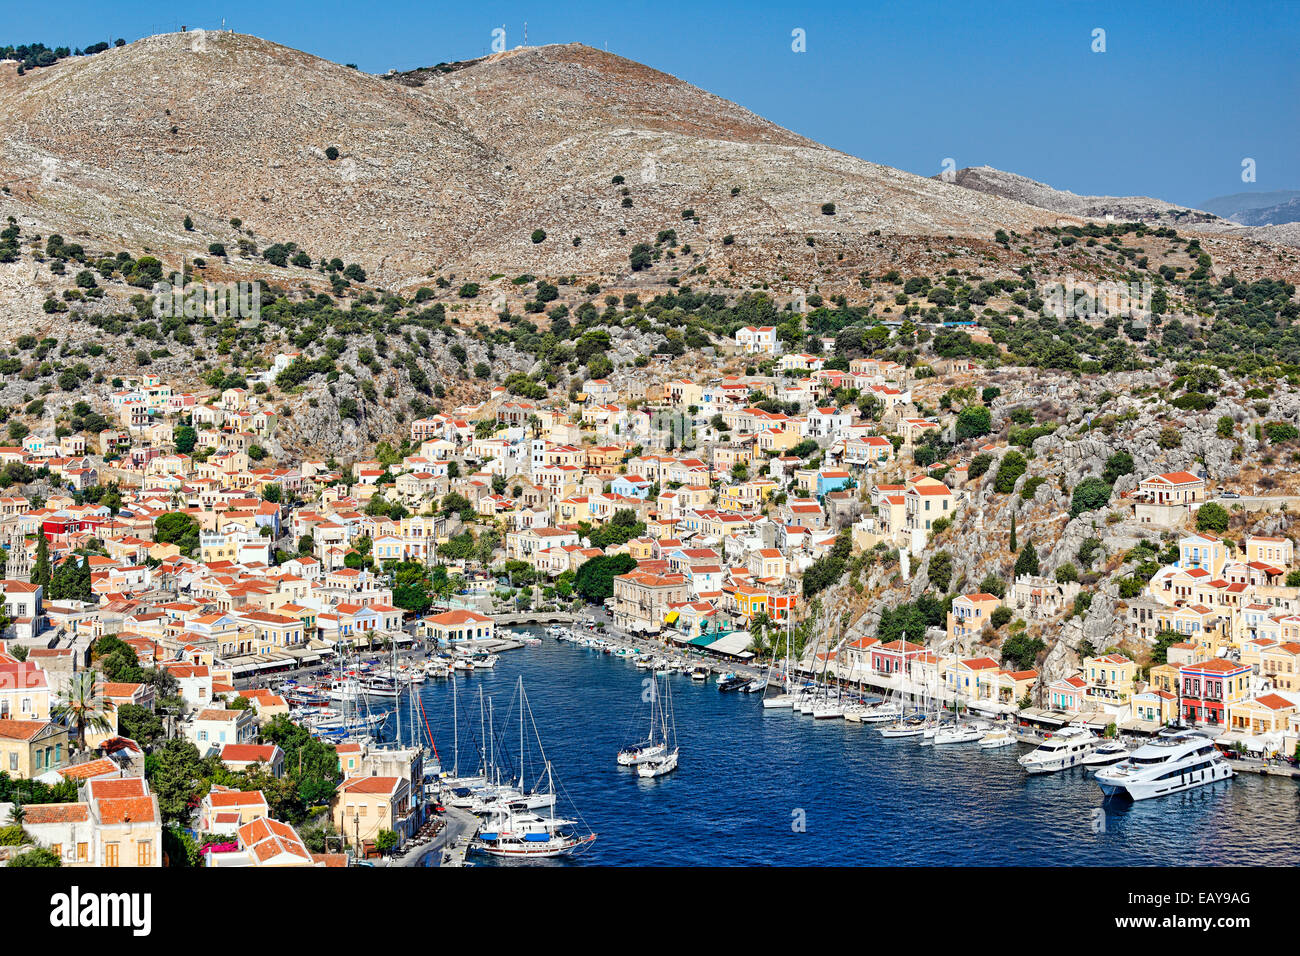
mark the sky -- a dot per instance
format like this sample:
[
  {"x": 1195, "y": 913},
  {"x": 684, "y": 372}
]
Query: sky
[{"x": 1170, "y": 100}]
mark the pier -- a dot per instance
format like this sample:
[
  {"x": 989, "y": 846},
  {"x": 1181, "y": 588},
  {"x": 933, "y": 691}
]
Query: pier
[{"x": 449, "y": 843}]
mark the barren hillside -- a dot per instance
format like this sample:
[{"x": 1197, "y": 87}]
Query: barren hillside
[{"x": 445, "y": 172}]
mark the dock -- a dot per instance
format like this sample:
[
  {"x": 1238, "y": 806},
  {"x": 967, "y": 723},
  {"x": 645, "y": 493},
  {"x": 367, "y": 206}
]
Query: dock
[
  {"x": 1262, "y": 769},
  {"x": 451, "y": 844}
]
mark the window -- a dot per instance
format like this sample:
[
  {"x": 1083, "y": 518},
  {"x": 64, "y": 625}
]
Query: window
[
  {"x": 110, "y": 854},
  {"x": 82, "y": 852},
  {"x": 144, "y": 853}
]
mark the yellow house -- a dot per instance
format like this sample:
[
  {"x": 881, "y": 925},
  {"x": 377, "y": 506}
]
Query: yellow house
[
  {"x": 24, "y": 693},
  {"x": 1279, "y": 552},
  {"x": 750, "y": 602},
  {"x": 1109, "y": 680},
  {"x": 29, "y": 748},
  {"x": 1266, "y": 714},
  {"x": 1280, "y": 663},
  {"x": 365, "y": 805},
  {"x": 969, "y": 614},
  {"x": 1155, "y": 706}
]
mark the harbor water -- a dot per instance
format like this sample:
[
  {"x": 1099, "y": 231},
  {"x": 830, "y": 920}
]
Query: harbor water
[{"x": 771, "y": 787}]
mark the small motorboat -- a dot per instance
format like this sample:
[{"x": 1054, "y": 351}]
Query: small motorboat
[
  {"x": 734, "y": 682},
  {"x": 998, "y": 737},
  {"x": 756, "y": 686},
  {"x": 699, "y": 674},
  {"x": 1111, "y": 752}
]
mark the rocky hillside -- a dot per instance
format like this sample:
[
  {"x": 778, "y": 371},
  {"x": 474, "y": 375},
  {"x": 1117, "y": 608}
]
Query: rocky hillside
[{"x": 439, "y": 171}]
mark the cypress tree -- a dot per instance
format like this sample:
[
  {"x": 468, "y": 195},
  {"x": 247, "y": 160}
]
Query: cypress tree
[
  {"x": 41, "y": 569},
  {"x": 1027, "y": 563}
]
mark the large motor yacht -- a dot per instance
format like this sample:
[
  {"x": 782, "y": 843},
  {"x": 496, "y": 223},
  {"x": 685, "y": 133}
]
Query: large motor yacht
[
  {"x": 1176, "y": 760},
  {"x": 1062, "y": 750}
]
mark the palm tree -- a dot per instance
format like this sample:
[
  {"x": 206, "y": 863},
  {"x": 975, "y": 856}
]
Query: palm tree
[{"x": 82, "y": 707}]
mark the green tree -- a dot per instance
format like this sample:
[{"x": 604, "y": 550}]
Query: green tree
[
  {"x": 185, "y": 438},
  {"x": 1212, "y": 517},
  {"x": 41, "y": 567},
  {"x": 82, "y": 707},
  {"x": 1027, "y": 562},
  {"x": 1089, "y": 495},
  {"x": 1117, "y": 465},
  {"x": 974, "y": 421},
  {"x": 1013, "y": 465},
  {"x": 594, "y": 581},
  {"x": 940, "y": 570},
  {"x": 36, "y": 857},
  {"x": 178, "y": 528},
  {"x": 1021, "y": 650},
  {"x": 386, "y": 841}
]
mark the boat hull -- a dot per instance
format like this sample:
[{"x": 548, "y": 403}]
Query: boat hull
[{"x": 1149, "y": 789}]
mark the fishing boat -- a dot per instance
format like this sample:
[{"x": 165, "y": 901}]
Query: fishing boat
[{"x": 665, "y": 761}]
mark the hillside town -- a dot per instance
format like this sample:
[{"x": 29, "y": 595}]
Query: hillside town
[{"x": 159, "y": 578}]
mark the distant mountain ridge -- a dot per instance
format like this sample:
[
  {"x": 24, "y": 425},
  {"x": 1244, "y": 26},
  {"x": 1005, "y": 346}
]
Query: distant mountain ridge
[
  {"x": 1272, "y": 208},
  {"x": 1269, "y": 225}
]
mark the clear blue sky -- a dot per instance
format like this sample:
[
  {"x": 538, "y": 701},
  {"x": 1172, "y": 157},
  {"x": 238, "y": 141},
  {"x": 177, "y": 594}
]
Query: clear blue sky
[{"x": 1184, "y": 92}]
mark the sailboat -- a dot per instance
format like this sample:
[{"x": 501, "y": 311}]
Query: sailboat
[
  {"x": 784, "y": 697},
  {"x": 908, "y": 725},
  {"x": 665, "y": 761},
  {"x": 959, "y": 733},
  {"x": 651, "y": 746},
  {"x": 511, "y": 828}
]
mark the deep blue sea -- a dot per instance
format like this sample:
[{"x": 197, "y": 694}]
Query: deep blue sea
[{"x": 758, "y": 787}]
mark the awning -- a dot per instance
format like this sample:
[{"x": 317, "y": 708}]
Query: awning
[
  {"x": 704, "y": 640},
  {"x": 733, "y": 645},
  {"x": 672, "y": 617}
]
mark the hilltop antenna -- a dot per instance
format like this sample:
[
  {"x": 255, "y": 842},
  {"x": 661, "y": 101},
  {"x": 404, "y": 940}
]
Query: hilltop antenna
[{"x": 525, "y": 33}]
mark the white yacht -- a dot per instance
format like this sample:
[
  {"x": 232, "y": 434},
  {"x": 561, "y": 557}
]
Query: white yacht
[
  {"x": 640, "y": 753},
  {"x": 513, "y": 833},
  {"x": 960, "y": 733},
  {"x": 998, "y": 737},
  {"x": 1176, "y": 760},
  {"x": 828, "y": 709},
  {"x": 1065, "y": 749},
  {"x": 657, "y": 754},
  {"x": 1111, "y": 752},
  {"x": 664, "y": 763}
]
